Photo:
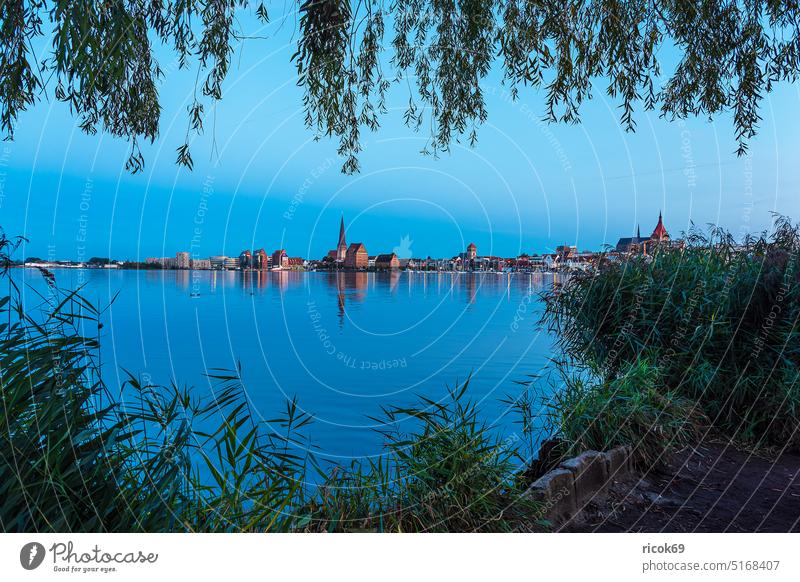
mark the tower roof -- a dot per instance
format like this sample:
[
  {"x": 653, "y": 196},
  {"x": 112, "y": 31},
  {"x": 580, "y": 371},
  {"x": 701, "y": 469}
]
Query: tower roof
[
  {"x": 660, "y": 232},
  {"x": 342, "y": 242},
  {"x": 471, "y": 246}
]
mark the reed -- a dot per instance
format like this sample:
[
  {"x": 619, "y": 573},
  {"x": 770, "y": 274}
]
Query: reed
[{"x": 717, "y": 322}]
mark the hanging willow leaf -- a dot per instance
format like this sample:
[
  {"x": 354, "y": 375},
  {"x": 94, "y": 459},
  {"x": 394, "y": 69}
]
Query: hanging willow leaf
[{"x": 730, "y": 54}]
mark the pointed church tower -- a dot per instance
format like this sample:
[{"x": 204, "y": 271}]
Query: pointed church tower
[
  {"x": 341, "y": 248},
  {"x": 660, "y": 233}
]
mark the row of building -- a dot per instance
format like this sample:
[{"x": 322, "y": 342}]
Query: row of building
[
  {"x": 356, "y": 258},
  {"x": 258, "y": 260}
]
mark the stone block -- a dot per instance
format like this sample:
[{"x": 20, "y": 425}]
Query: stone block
[
  {"x": 590, "y": 473},
  {"x": 556, "y": 490},
  {"x": 618, "y": 462}
]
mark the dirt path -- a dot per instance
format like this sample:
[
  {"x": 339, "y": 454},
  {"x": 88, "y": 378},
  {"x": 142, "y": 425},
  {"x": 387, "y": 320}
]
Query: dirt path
[{"x": 711, "y": 488}]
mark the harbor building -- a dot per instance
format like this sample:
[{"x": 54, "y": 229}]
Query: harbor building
[
  {"x": 245, "y": 260},
  {"x": 260, "y": 260},
  {"x": 182, "y": 260},
  {"x": 356, "y": 257},
  {"x": 200, "y": 264},
  {"x": 387, "y": 262},
  {"x": 279, "y": 259}
]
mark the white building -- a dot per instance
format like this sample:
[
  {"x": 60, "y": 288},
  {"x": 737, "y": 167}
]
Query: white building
[
  {"x": 217, "y": 261},
  {"x": 201, "y": 264},
  {"x": 182, "y": 260}
]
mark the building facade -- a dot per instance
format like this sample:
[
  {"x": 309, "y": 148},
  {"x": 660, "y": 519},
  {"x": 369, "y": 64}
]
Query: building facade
[
  {"x": 245, "y": 260},
  {"x": 217, "y": 261},
  {"x": 200, "y": 264},
  {"x": 356, "y": 257},
  {"x": 387, "y": 262},
  {"x": 182, "y": 260},
  {"x": 294, "y": 262},
  {"x": 260, "y": 260},
  {"x": 279, "y": 259}
]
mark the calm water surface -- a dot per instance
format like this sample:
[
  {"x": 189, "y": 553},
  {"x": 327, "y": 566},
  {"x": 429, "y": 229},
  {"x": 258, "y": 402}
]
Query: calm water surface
[{"x": 344, "y": 343}]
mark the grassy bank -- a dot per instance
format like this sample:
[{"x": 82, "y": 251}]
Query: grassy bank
[{"x": 708, "y": 330}]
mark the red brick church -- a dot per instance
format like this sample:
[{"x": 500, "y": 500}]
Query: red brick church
[{"x": 636, "y": 244}]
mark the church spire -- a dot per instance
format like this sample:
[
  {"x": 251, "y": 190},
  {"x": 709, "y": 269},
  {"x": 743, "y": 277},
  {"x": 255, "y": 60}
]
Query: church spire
[
  {"x": 660, "y": 233},
  {"x": 341, "y": 248},
  {"x": 342, "y": 242}
]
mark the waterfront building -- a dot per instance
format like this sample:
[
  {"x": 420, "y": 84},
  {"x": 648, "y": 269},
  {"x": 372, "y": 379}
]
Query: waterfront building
[
  {"x": 537, "y": 263},
  {"x": 566, "y": 251},
  {"x": 245, "y": 260},
  {"x": 218, "y": 261},
  {"x": 182, "y": 260},
  {"x": 163, "y": 262},
  {"x": 523, "y": 261},
  {"x": 295, "y": 262},
  {"x": 575, "y": 262},
  {"x": 472, "y": 252},
  {"x": 488, "y": 263},
  {"x": 200, "y": 264},
  {"x": 356, "y": 256},
  {"x": 260, "y": 260},
  {"x": 388, "y": 261},
  {"x": 279, "y": 259},
  {"x": 231, "y": 263}
]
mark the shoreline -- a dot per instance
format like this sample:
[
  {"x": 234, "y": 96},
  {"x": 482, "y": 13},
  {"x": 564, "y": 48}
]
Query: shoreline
[{"x": 50, "y": 267}]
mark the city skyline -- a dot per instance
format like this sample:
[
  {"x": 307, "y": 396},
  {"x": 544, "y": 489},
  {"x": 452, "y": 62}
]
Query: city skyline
[{"x": 259, "y": 258}]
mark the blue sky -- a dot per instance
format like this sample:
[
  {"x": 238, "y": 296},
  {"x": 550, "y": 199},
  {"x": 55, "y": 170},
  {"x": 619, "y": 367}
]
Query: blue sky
[{"x": 260, "y": 180}]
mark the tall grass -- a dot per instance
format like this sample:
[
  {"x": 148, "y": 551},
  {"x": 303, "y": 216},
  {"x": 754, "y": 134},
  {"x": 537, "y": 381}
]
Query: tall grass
[
  {"x": 632, "y": 409},
  {"x": 717, "y": 320},
  {"x": 75, "y": 457},
  {"x": 447, "y": 474}
]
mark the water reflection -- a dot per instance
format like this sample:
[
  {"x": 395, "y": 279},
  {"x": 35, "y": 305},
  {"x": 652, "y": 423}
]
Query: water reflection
[
  {"x": 345, "y": 343},
  {"x": 357, "y": 286}
]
